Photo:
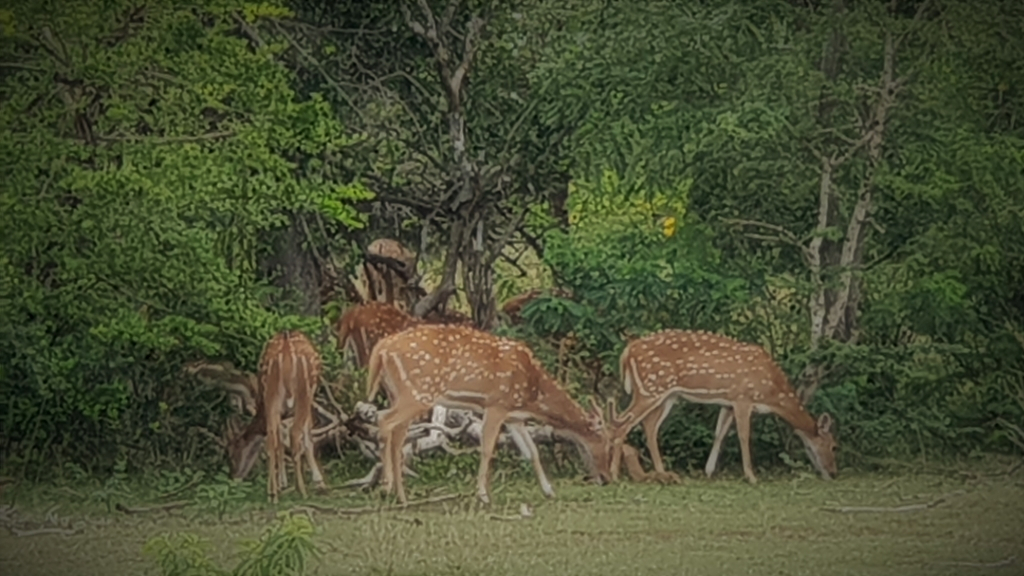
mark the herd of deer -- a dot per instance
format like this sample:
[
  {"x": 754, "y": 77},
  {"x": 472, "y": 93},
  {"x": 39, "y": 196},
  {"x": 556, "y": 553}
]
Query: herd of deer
[{"x": 442, "y": 361}]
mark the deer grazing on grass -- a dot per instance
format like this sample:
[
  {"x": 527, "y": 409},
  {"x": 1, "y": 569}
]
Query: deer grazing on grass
[
  {"x": 460, "y": 367},
  {"x": 289, "y": 373},
  {"x": 662, "y": 367}
]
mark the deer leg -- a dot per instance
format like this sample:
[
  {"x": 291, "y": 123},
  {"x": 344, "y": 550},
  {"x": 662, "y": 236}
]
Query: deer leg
[
  {"x": 743, "y": 413},
  {"x": 623, "y": 424},
  {"x": 651, "y": 423},
  {"x": 314, "y": 466},
  {"x": 298, "y": 448},
  {"x": 397, "y": 443},
  {"x": 393, "y": 428},
  {"x": 275, "y": 455},
  {"x": 387, "y": 460},
  {"x": 725, "y": 418},
  {"x": 493, "y": 420},
  {"x": 518, "y": 429}
]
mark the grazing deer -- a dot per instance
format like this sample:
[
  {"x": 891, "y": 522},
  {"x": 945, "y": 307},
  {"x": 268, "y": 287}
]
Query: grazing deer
[
  {"x": 460, "y": 367},
  {"x": 662, "y": 367},
  {"x": 363, "y": 325},
  {"x": 289, "y": 373}
]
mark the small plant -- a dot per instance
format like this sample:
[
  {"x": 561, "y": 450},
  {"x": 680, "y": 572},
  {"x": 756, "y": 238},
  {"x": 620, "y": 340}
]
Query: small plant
[
  {"x": 219, "y": 495},
  {"x": 283, "y": 549},
  {"x": 182, "y": 555},
  {"x": 115, "y": 487}
]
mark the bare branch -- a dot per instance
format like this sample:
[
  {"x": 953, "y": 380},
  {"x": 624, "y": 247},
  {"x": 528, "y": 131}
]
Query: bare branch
[
  {"x": 836, "y": 162},
  {"x": 476, "y": 25},
  {"x": 415, "y": 26},
  {"x": 499, "y": 244},
  {"x": 428, "y": 14},
  {"x": 320, "y": 68},
  {"x": 166, "y": 139},
  {"x": 449, "y": 14},
  {"x": 249, "y": 31},
  {"x": 915, "y": 24}
]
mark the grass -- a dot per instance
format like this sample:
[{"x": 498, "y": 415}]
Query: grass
[{"x": 721, "y": 526}]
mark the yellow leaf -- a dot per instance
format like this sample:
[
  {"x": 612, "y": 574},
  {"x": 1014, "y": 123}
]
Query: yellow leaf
[{"x": 668, "y": 227}]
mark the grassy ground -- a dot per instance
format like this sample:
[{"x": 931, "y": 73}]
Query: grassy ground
[{"x": 974, "y": 526}]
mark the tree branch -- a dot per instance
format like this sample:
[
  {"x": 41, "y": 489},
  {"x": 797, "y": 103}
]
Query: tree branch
[
  {"x": 783, "y": 235},
  {"x": 476, "y": 25},
  {"x": 320, "y": 68},
  {"x": 499, "y": 245},
  {"x": 248, "y": 30},
  {"x": 166, "y": 139}
]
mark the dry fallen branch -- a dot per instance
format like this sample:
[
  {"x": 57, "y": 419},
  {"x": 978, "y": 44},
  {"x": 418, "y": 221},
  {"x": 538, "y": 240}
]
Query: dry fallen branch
[
  {"x": 20, "y": 529},
  {"x": 373, "y": 509},
  {"x": 156, "y": 508},
  {"x": 38, "y": 531},
  {"x": 999, "y": 564},
  {"x": 192, "y": 484},
  {"x": 525, "y": 513},
  {"x": 896, "y": 509}
]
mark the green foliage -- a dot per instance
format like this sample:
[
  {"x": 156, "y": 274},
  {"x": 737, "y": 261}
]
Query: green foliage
[
  {"x": 182, "y": 555},
  {"x": 221, "y": 495},
  {"x": 731, "y": 99},
  {"x": 154, "y": 159},
  {"x": 283, "y": 549},
  {"x": 135, "y": 207},
  {"x": 626, "y": 273}
]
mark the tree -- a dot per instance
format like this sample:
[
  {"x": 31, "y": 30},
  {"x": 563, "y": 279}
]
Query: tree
[
  {"x": 453, "y": 139},
  {"x": 151, "y": 153}
]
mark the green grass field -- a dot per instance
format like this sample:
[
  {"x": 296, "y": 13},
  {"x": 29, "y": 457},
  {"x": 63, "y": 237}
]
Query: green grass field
[{"x": 975, "y": 525}]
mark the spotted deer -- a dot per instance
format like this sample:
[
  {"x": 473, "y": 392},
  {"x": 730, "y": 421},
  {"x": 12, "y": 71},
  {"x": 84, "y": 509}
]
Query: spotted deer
[
  {"x": 289, "y": 373},
  {"x": 363, "y": 325},
  {"x": 459, "y": 367},
  {"x": 706, "y": 368},
  {"x": 382, "y": 283}
]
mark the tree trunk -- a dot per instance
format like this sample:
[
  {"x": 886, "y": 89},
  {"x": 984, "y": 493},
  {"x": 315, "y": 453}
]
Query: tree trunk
[
  {"x": 478, "y": 280},
  {"x": 293, "y": 269},
  {"x": 834, "y": 306}
]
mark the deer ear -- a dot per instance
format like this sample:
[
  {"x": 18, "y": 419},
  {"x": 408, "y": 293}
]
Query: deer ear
[{"x": 824, "y": 423}]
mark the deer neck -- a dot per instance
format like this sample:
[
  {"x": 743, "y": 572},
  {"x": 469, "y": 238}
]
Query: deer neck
[
  {"x": 557, "y": 409},
  {"x": 801, "y": 421},
  {"x": 258, "y": 425}
]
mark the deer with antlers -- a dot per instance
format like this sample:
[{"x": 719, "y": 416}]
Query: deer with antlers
[
  {"x": 460, "y": 367},
  {"x": 389, "y": 274},
  {"x": 707, "y": 368},
  {"x": 289, "y": 373}
]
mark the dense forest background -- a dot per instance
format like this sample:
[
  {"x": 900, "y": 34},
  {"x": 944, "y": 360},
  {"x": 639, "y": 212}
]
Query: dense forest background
[{"x": 840, "y": 181}]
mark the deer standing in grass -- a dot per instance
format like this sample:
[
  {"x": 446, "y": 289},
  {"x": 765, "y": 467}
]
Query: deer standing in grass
[
  {"x": 662, "y": 367},
  {"x": 289, "y": 373},
  {"x": 363, "y": 325},
  {"x": 460, "y": 367}
]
